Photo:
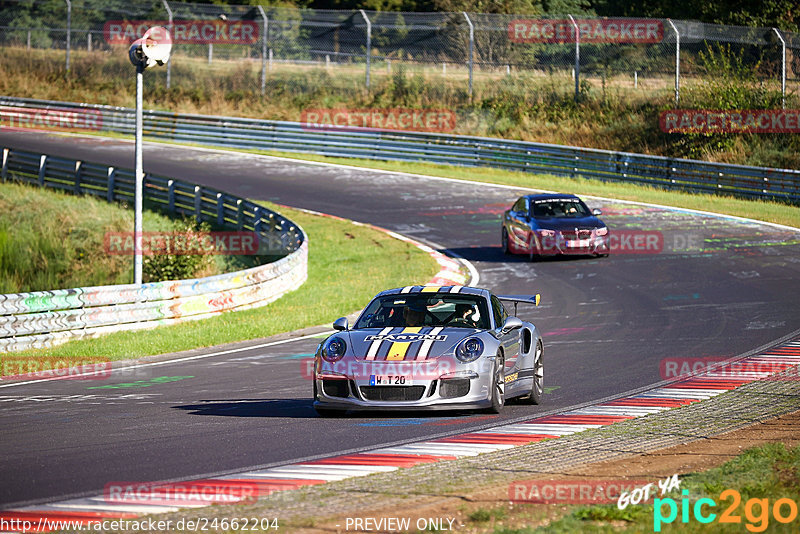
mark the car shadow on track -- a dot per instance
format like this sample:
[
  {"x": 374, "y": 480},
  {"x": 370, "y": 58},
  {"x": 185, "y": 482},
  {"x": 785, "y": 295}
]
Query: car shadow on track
[
  {"x": 495, "y": 254},
  {"x": 302, "y": 409},
  {"x": 292, "y": 408}
]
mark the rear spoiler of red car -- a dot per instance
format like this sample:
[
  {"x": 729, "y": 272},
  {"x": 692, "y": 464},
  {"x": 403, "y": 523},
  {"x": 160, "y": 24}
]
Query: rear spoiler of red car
[{"x": 521, "y": 299}]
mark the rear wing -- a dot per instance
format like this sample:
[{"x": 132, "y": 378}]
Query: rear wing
[{"x": 521, "y": 299}]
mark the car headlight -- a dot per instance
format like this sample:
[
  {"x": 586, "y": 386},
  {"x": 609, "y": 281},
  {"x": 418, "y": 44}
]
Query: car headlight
[
  {"x": 469, "y": 349},
  {"x": 602, "y": 231},
  {"x": 333, "y": 349},
  {"x": 547, "y": 233}
]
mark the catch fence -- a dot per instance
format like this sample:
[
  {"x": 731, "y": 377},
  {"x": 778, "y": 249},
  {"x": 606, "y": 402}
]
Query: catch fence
[{"x": 249, "y": 43}]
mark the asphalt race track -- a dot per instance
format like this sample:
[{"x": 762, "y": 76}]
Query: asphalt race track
[{"x": 716, "y": 287}]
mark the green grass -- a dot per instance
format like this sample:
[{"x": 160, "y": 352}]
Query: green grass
[
  {"x": 348, "y": 264},
  {"x": 770, "y": 471},
  {"x": 481, "y": 515},
  {"x": 54, "y": 240}
]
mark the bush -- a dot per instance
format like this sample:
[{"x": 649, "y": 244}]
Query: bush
[{"x": 160, "y": 267}]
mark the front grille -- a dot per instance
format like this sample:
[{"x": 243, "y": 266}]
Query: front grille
[
  {"x": 335, "y": 388},
  {"x": 577, "y": 234},
  {"x": 392, "y": 393},
  {"x": 454, "y": 387}
]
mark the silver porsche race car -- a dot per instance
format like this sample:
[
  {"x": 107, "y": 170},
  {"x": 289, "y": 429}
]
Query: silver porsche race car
[{"x": 428, "y": 348}]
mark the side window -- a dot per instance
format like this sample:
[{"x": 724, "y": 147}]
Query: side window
[
  {"x": 521, "y": 205},
  {"x": 499, "y": 312}
]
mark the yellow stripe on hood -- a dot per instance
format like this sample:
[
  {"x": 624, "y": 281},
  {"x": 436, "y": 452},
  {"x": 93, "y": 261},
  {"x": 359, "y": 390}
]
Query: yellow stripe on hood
[{"x": 399, "y": 348}]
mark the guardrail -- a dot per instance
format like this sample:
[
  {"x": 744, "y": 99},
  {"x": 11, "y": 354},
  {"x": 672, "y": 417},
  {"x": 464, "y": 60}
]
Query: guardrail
[
  {"x": 669, "y": 173},
  {"x": 45, "y": 318}
]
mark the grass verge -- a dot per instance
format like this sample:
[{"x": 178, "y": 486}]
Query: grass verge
[
  {"x": 761, "y": 476},
  {"x": 347, "y": 265}
]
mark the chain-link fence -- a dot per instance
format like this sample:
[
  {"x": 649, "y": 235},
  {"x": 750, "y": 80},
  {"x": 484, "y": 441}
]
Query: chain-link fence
[{"x": 240, "y": 47}]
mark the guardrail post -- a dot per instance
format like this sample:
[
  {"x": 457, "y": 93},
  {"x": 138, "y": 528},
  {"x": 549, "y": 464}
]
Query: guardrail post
[
  {"x": 171, "y": 195},
  {"x": 575, "y": 158},
  {"x": 257, "y": 220},
  {"x": 169, "y": 27},
  {"x": 112, "y": 178},
  {"x": 239, "y": 214},
  {"x": 369, "y": 42},
  {"x": 783, "y": 67},
  {"x": 5, "y": 165},
  {"x": 264, "y": 40},
  {"x": 77, "y": 187},
  {"x": 677, "y": 60},
  {"x": 577, "y": 57},
  {"x": 471, "y": 49},
  {"x": 42, "y": 167},
  {"x": 220, "y": 209},
  {"x": 69, "y": 29},
  {"x": 198, "y": 199}
]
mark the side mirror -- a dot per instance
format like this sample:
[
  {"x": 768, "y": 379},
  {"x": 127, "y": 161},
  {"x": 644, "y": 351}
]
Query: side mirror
[
  {"x": 596, "y": 211},
  {"x": 511, "y": 323},
  {"x": 341, "y": 324}
]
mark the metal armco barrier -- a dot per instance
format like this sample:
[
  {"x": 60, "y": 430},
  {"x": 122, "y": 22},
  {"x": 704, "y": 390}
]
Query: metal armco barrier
[
  {"x": 46, "y": 318},
  {"x": 669, "y": 173}
]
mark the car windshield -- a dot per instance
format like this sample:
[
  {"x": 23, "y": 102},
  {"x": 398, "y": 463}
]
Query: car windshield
[
  {"x": 433, "y": 309},
  {"x": 560, "y": 207}
]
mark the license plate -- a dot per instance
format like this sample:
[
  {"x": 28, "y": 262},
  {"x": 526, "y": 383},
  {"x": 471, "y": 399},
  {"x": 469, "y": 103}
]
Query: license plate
[
  {"x": 390, "y": 380},
  {"x": 582, "y": 243}
]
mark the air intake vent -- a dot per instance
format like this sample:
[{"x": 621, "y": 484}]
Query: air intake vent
[
  {"x": 335, "y": 388},
  {"x": 392, "y": 393},
  {"x": 454, "y": 387}
]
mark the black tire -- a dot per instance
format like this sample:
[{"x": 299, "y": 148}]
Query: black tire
[
  {"x": 498, "y": 393},
  {"x": 537, "y": 386},
  {"x": 504, "y": 241}
]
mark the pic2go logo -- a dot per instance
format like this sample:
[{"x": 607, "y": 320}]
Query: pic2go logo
[{"x": 756, "y": 511}]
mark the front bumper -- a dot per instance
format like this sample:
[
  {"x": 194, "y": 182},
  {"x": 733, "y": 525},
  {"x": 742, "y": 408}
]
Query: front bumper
[
  {"x": 435, "y": 385},
  {"x": 565, "y": 244}
]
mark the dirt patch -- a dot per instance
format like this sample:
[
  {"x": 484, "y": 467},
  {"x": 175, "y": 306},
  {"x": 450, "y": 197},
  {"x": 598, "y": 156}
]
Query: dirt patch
[{"x": 480, "y": 510}]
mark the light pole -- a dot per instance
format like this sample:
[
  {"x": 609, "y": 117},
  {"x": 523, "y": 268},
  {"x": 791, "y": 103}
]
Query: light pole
[{"x": 152, "y": 49}]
